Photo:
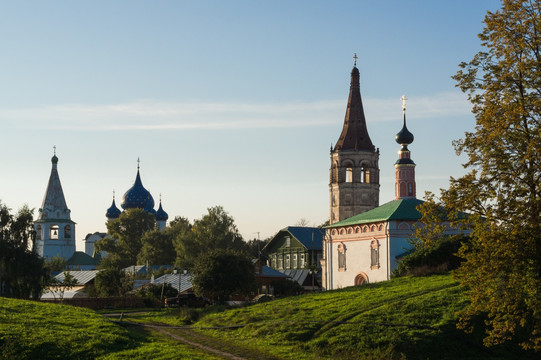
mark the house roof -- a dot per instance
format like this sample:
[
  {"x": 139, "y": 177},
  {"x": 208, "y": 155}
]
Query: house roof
[
  {"x": 304, "y": 235},
  {"x": 402, "y": 209},
  {"x": 270, "y": 272},
  {"x": 185, "y": 281},
  {"x": 81, "y": 258},
  {"x": 82, "y": 277}
]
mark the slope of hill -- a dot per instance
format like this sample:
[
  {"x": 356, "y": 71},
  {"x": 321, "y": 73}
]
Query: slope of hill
[
  {"x": 402, "y": 318},
  {"x": 32, "y": 330}
]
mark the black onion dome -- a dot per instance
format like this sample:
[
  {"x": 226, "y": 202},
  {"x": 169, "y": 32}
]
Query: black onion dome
[
  {"x": 161, "y": 215},
  {"x": 113, "y": 212},
  {"x": 137, "y": 197},
  {"x": 404, "y": 137}
]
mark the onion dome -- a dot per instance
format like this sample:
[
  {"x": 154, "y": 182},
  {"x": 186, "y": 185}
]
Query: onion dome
[
  {"x": 137, "y": 196},
  {"x": 113, "y": 212},
  {"x": 404, "y": 137},
  {"x": 161, "y": 215}
]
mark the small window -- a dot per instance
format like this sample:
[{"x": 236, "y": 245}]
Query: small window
[
  {"x": 341, "y": 257},
  {"x": 374, "y": 254},
  {"x": 302, "y": 261},
  {"x": 67, "y": 232},
  {"x": 273, "y": 260},
  {"x": 288, "y": 241},
  {"x": 294, "y": 261},
  {"x": 280, "y": 262},
  {"x": 288, "y": 263},
  {"x": 349, "y": 174},
  {"x": 38, "y": 232}
]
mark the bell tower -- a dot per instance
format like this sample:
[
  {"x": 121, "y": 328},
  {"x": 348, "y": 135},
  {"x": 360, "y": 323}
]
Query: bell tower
[
  {"x": 404, "y": 166},
  {"x": 354, "y": 173},
  {"x": 55, "y": 231}
]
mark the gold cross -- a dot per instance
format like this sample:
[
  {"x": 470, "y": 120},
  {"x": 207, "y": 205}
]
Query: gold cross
[{"x": 355, "y": 59}]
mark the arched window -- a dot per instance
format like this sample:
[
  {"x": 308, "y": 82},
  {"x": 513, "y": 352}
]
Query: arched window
[
  {"x": 361, "y": 279},
  {"x": 53, "y": 232},
  {"x": 67, "y": 232},
  {"x": 341, "y": 257},
  {"x": 374, "y": 254},
  {"x": 349, "y": 174},
  {"x": 410, "y": 189}
]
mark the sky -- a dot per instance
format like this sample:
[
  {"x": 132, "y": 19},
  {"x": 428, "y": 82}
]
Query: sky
[{"x": 230, "y": 103}]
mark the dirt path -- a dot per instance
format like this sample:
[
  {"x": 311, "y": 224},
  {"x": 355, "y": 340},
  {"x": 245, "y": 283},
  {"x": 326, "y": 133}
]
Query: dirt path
[{"x": 189, "y": 340}]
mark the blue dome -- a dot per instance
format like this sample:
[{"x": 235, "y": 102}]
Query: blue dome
[
  {"x": 161, "y": 215},
  {"x": 113, "y": 212},
  {"x": 137, "y": 197}
]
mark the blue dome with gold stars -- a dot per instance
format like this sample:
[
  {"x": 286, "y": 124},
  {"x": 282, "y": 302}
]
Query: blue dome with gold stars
[
  {"x": 113, "y": 212},
  {"x": 161, "y": 215},
  {"x": 137, "y": 197}
]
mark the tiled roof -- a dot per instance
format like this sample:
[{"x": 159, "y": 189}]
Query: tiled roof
[{"x": 402, "y": 209}]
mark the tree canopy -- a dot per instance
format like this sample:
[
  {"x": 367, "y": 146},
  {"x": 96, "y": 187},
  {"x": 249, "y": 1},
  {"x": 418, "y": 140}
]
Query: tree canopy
[
  {"x": 502, "y": 190},
  {"x": 124, "y": 242},
  {"x": 220, "y": 273},
  {"x": 21, "y": 270}
]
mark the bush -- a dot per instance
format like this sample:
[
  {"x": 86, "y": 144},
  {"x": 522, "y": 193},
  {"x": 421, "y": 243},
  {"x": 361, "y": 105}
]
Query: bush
[
  {"x": 286, "y": 287},
  {"x": 436, "y": 259}
]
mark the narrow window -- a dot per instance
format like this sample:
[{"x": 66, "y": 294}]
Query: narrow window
[
  {"x": 341, "y": 257},
  {"x": 274, "y": 262},
  {"x": 280, "y": 262},
  {"x": 67, "y": 232},
  {"x": 374, "y": 254},
  {"x": 302, "y": 262},
  {"x": 349, "y": 174},
  {"x": 38, "y": 232},
  {"x": 294, "y": 261},
  {"x": 288, "y": 264}
]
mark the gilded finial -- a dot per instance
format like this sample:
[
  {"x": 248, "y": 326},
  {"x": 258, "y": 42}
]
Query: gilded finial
[
  {"x": 404, "y": 98},
  {"x": 138, "y": 163},
  {"x": 355, "y": 59},
  {"x": 54, "y": 150}
]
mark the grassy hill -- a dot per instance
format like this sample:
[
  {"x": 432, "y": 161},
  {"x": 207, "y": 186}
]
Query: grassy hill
[
  {"x": 412, "y": 318},
  {"x": 406, "y": 318}
]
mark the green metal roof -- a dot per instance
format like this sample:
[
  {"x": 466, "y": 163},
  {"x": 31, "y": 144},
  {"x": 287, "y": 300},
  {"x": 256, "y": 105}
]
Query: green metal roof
[
  {"x": 80, "y": 258},
  {"x": 403, "y": 209}
]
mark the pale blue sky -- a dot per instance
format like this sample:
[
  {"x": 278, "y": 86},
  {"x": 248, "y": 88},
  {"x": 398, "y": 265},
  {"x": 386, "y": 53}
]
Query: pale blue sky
[{"x": 232, "y": 103}]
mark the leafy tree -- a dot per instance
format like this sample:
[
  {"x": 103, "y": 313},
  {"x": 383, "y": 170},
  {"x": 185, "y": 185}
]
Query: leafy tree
[
  {"x": 157, "y": 247},
  {"x": 112, "y": 282},
  {"x": 21, "y": 270},
  {"x": 220, "y": 273},
  {"x": 502, "y": 190},
  {"x": 124, "y": 242},
  {"x": 254, "y": 247},
  {"x": 59, "y": 287},
  {"x": 215, "y": 230}
]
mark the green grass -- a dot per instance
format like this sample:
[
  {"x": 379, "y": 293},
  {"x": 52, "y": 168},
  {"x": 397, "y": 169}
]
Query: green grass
[
  {"x": 405, "y": 318},
  {"x": 368, "y": 322},
  {"x": 31, "y": 330}
]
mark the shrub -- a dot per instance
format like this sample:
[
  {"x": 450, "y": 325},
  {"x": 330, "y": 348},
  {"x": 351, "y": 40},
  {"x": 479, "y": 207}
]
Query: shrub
[{"x": 436, "y": 259}]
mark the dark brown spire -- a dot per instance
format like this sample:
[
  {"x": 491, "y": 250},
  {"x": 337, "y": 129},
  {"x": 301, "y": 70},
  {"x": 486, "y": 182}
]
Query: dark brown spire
[{"x": 354, "y": 135}]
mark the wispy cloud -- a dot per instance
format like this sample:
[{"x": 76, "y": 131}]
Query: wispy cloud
[{"x": 155, "y": 115}]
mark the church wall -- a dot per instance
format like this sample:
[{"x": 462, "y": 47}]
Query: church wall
[{"x": 357, "y": 246}]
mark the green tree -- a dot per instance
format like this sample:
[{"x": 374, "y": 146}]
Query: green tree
[
  {"x": 215, "y": 230},
  {"x": 124, "y": 242},
  {"x": 502, "y": 190},
  {"x": 112, "y": 281},
  {"x": 22, "y": 274},
  {"x": 157, "y": 247},
  {"x": 221, "y": 273}
]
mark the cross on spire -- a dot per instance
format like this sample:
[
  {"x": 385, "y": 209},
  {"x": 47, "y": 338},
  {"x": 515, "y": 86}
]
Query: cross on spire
[
  {"x": 355, "y": 59},
  {"x": 54, "y": 150},
  {"x": 404, "y": 98},
  {"x": 138, "y": 163}
]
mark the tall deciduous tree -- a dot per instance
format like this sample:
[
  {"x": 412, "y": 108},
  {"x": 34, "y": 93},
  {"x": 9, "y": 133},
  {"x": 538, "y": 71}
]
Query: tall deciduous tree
[
  {"x": 220, "y": 273},
  {"x": 502, "y": 191},
  {"x": 21, "y": 270},
  {"x": 124, "y": 242},
  {"x": 215, "y": 230}
]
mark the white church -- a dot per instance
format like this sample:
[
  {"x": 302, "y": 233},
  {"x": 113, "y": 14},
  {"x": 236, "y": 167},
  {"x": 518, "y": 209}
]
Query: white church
[{"x": 364, "y": 239}]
